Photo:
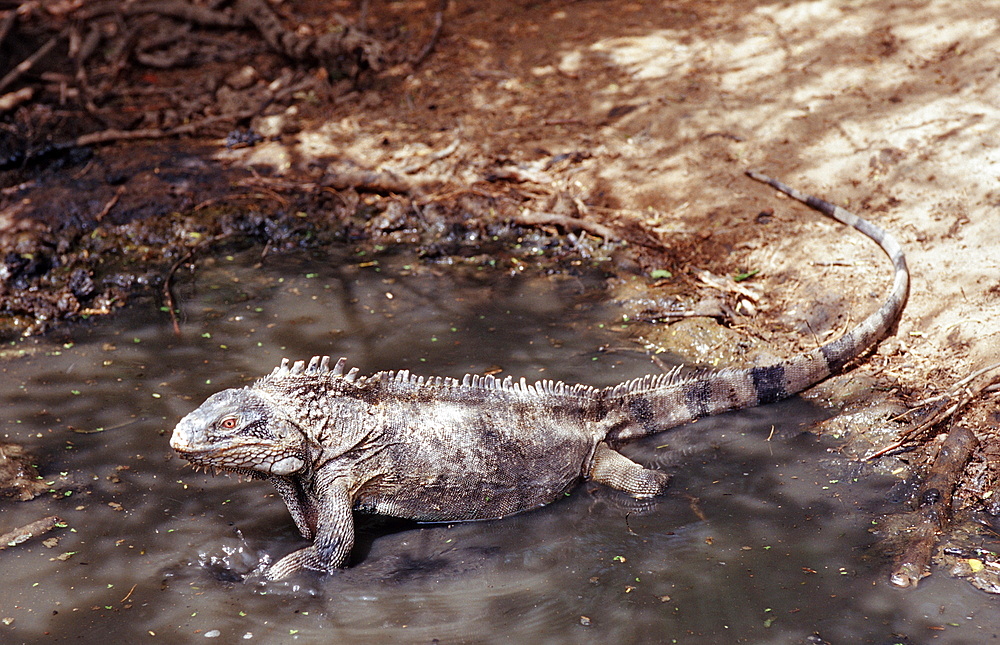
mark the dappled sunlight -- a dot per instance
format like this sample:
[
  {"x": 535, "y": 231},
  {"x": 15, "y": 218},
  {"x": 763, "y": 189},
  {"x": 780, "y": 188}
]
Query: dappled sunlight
[
  {"x": 899, "y": 103},
  {"x": 889, "y": 107},
  {"x": 653, "y": 56},
  {"x": 617, "y": 132}
]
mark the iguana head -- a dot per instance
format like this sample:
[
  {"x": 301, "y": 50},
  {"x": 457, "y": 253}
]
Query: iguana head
[{"x": 239, "y": 430}]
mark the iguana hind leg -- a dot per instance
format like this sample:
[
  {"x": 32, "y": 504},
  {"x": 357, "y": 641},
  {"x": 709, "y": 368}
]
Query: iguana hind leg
[{"x": 614, "y": 469}]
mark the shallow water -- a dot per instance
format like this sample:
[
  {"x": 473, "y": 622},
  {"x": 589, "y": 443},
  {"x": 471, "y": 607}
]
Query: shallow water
[{"x": 763, "y": 537}]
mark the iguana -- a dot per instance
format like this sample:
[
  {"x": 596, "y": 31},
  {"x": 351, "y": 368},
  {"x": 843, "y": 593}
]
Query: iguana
[{"x": 437, "y": 449}]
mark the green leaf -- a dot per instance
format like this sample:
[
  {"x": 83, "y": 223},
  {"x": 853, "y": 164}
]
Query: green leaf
[
  {"x": 660, "y": 274},
  {"x": 740, "y": 277}
]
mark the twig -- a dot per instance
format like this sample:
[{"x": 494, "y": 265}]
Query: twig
[
  {"x": 534, "y": 218},
  {"x": 28, "y": 531},
  {"x": 628, "y": 526},
  {"x": 29, "y": 62},
  {"x": 965, "y": 381},
  {"x": 427, "y": 160},
  {"x": 129, "y": 594},
  {"x": 111, "y": 203},
  {"x": 168, "y": 296},
  {"x": 107, "y": 136},
  {"x": 109, "y": 428},
  {"x": 435, "y": 36},
  {"x": 11, "y": 100},
  {"x": 86, "y": 47},
  {"x": 722, "y": 284},
  {"x": 958, "y": 397}
]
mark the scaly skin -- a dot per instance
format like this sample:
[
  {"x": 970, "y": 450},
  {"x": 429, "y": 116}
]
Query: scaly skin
[{"x": 441, "y": 449}]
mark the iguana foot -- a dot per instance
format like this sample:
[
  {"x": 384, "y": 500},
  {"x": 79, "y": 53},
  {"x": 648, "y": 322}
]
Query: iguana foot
[
  {"x": 614, "y": 469},
  {"x": 306, "y": 558}
]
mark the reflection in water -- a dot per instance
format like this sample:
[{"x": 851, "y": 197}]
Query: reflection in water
[{"x": 761, "y": 539}]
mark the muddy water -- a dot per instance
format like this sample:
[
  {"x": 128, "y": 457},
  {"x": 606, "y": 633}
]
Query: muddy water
[{"x": 762, "y": 539}]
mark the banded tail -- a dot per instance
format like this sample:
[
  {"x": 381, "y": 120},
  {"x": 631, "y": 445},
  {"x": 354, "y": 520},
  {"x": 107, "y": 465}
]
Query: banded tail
[{"x": 655, "y": 403}]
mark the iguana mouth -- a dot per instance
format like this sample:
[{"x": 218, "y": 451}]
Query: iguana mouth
[
  {"x": 216, "y": 462},
  {"x": 199, "y": 461}
]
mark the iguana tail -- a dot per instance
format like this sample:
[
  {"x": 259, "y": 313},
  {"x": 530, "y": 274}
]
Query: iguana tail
[{"x": 654, "y": 403}]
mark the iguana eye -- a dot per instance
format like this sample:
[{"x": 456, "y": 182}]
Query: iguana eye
[{"x": 229, "y": 423}]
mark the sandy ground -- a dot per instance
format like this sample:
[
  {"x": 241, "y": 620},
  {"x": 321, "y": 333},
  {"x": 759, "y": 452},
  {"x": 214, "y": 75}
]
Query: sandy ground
[
  {"x": 890, "y": 109},
  {"x": 642, "y": 117}
]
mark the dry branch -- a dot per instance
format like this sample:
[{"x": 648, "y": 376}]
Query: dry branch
[{"x": 934, "y": 512}]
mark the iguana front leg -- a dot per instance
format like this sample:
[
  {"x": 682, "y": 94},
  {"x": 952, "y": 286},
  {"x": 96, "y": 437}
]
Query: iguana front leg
[
  {"x": 333, "y": 540},
  {"x": 298, "y": 504}
]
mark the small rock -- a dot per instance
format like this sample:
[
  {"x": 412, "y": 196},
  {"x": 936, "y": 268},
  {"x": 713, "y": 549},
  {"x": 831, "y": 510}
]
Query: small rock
[{"x": 242, "y": 78}]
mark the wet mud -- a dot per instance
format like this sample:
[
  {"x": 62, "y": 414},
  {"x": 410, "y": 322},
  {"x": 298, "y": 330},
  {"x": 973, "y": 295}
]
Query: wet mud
[
  {"x": 765, "y": 533},
  {"x": 561, "y": 139}
]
